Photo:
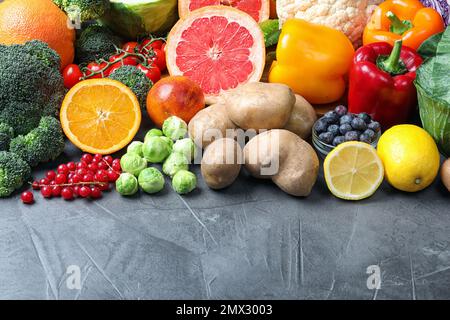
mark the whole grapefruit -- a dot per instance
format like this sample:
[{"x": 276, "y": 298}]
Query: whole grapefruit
[
  {"x": 273, "y": 9},
  {"x": 257, "y": 9},
  {"x": 25, "y": 20},
  {"x": 174, "y": 96}
]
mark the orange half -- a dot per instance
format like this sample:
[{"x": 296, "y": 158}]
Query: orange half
[{"x": 100, "y": 116}]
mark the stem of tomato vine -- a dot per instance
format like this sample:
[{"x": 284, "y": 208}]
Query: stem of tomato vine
[{"x": 126, "y": 54}]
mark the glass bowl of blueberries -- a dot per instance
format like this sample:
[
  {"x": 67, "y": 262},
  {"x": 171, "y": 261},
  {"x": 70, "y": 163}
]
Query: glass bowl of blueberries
[{"x": 339, "y": 126}]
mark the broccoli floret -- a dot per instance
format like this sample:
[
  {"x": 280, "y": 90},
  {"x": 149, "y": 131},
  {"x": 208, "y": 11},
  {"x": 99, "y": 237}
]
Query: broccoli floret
[
  {"x": 136, "y": 80},
  {"x": 31, "y": 92},
  {"x": 21, "y": 116},
  {"x": 29, "y": 75},
  {"x": 13, "y": 173},
  {"x": 96, "y": 42},
  {"x": 6, "y": 135},
  {"x": 41, "y": 51},
  {"x": 83, "y": 10},
  {"x": 42, "y": 144}
]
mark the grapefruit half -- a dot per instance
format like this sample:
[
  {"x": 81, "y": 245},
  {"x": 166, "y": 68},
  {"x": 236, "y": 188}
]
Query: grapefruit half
[
  {"x": 217, "y": 47},
  {"x": 258, "y": 9}
]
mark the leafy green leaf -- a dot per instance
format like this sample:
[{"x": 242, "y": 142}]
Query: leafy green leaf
[
  {"x": 271, "y": 31},
  {"x": 433, "y": 88},
  {"x": 429, "y": 47}
]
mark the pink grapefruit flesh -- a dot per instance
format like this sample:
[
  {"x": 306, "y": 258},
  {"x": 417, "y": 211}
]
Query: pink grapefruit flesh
[
  {"x": 217, "y": 47},
  {"x": 258, "y": 9}
]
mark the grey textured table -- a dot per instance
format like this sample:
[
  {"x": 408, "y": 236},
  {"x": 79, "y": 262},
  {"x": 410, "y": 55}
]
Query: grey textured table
[{"x": 250, "y": 241}]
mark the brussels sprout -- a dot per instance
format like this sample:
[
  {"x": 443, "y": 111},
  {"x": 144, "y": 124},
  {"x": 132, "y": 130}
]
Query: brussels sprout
[
  {"x": 184, "y": 182},
  {"x": 127, "y": 184},
  {"x": 168, "y": 140},
  {"x": 151, "y": 180},
  {"x": 187, "y": 147},
  {"x": 174, "y": 128},
  {"x": 156, "y": 149},
  {"x": 133, "y": 163},
  {"x": 153, "y": 133},
  {"x": 136, "y": 148},
  {"x": 174, "y": 163}
]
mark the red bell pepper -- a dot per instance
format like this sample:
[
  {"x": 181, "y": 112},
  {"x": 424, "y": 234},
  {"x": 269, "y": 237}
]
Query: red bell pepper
[{"x": 381, "y": 82}]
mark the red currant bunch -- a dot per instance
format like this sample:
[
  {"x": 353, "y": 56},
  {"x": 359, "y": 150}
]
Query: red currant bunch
[{"x": 87, "y": 178}]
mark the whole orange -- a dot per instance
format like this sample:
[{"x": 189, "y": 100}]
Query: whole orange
[
  {"x": 174, "y": 96},
  {"x": 25, "y": 20}
]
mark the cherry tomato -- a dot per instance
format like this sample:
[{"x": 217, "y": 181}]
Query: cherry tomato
[
  {"x": 112, "y": 68},
  {"x": 95, "y": 67},
  {"x": 163, "y": 47},
  {"x": 153, "y": 72},
  {"x": 148, "y": 44},
  {"x": 128, "y": 61},
  {"x": 159, "y": 59},
  {"x": 71, "y": 75},
  {"x": 130, "y": 46}
]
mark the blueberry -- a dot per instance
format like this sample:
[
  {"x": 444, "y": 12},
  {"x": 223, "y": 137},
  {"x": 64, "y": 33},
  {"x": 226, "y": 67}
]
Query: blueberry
[
  {"x": 326, "y": 137},
  {"x": 338, "y": 140},
  {"x": 340, "y": 110},
  {"x": 344, "y": 128},
  {"x": 321, "y": 126},
  {"x": 331, "y": 117},
  {"x": 352, "y": 136},
  {"x": 359, "y": 124},
  {"x": 334, "y": 129},
  {"x": 365, "y": 138},
  {"x": 346, "y": 119},
  {"x": 375, "y": 126},
  {"x": 367, "y": 119},
  {"x": 370, "y": 133}
]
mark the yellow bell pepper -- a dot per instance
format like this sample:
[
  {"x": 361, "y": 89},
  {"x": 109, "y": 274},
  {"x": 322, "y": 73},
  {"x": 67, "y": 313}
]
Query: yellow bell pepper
[{"x": 313, "y": 60}]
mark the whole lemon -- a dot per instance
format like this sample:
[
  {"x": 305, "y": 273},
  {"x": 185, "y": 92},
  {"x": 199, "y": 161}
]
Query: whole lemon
[{"x": 410, "y": 157}]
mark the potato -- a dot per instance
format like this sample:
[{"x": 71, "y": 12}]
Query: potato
[
  {"x": 284, "y": 157},
  {"x": 221, "y": 163},
  {"x": 303, "y": 117},
  {"x": 445, "y": 174},
  {"x": 210, "y": 124},
  {"x": 258, "y": 105}
]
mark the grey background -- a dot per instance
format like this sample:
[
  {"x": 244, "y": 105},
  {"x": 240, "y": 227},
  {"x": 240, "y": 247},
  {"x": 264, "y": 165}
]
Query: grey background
[{"x": 250, "y": 241}]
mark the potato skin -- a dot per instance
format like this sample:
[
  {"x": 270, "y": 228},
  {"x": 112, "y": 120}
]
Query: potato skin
[
  {"x": 445, "y": 174},
  {"x": 298, "y": 164},
  {"x": 213, "y": 117},
  {"x": 221, "y": 163},
  {"x": 258, "y": 105},
  {"x": 302, "y": 118}
]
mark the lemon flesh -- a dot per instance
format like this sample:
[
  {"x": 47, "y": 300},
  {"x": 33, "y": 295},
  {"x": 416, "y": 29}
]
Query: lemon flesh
[{"x": 353, "y": 171}]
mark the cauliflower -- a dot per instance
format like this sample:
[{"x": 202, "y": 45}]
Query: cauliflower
[{"x": 348, "y": 16}]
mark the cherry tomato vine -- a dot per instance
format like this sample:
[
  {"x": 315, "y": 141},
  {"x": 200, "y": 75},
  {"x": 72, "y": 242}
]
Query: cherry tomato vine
[{"x": 147, "y": 55}]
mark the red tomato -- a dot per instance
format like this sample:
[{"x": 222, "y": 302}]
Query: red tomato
[
  {"x": 112, "y": 68},
  {"x": 153, "y": 73},
  {"x": 159, "y": 59},
  {"x": 130, "y": 46},
  {"x": 72, "y": 75},
  {"x": 95, "y": 67},
  {"x": 148, "y": 44},
  {"x": 127, "y": 61},
  {"x": 163, "y": 48}
]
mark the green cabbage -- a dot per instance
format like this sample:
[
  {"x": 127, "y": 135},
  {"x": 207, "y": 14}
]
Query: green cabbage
[
  {"x": 134, "y": 18},
  {"x": 433, "y": 90}
]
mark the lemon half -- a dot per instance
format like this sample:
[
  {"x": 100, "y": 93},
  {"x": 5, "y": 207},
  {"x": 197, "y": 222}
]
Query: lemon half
[{"x": 353, "y": 170}]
